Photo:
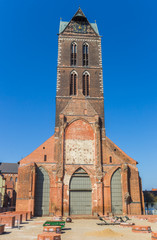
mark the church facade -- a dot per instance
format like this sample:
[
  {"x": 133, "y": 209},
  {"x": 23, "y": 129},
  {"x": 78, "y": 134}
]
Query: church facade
[{"x": 79, "y": 170}]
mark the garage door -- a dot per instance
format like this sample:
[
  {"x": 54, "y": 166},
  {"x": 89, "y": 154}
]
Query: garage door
[
  {"x": 42, "y": 192},
  {"x": 116, "y": 192},
  {"x": 80, "y": 193}
]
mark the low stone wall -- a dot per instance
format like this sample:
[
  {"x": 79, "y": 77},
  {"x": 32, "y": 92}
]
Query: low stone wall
[
  {"x": 2, "y": 226},
  {"x": 8, "y": 220}
]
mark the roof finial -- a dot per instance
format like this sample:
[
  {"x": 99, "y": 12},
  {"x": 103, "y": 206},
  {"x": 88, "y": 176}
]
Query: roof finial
[
  {"x": 95, "y": 21},
  {"x": 60, "y": 19}
]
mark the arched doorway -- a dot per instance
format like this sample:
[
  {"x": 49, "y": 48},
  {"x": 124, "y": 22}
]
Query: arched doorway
[
  {"x": 116, "y": 192},
  {"x": 42, "y": 189},
  {"x": 80, "y": 199}
]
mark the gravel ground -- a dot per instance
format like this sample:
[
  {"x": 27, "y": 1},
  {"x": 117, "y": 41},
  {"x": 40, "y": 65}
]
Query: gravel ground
[{"x": 79, "y": 229}]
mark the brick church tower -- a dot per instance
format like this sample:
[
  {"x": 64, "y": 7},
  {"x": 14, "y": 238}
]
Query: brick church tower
[{"x": 79, "y": 171}]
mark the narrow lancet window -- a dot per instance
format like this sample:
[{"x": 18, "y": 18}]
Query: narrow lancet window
[
  {"x": 73, "y": 83},
  {"x": 73, "y": 53},
  {"x": 45, "y": 158},
  {"x": 85, "y": 54},
  {"x": 86, "y": 84}
]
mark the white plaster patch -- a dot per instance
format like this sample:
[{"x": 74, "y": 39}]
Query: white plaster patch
[
  {"x": 67, "y": 179},
  {"x": 79, "y": 151},
  {"x": 95, "y": 185}
]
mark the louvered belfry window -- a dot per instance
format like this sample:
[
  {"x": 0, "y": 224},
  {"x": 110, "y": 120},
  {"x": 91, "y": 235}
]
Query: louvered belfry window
[
  {"x": 85, "y": 54},
  {"x": 73, "y": 83},
  {"x": 73, "y": 54},
  {"x": 86, "y": 84}
]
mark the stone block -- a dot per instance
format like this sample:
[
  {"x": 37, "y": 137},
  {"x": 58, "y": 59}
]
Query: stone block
[
  {"x": 49, "y": 236},
  {"x": 141, "y": 229},
  {"x": 56, "y": 229},
  {"x": 2, "y": 228},
  {"x": 8, "y": 220},
  {"x": 154, "y": 235}
]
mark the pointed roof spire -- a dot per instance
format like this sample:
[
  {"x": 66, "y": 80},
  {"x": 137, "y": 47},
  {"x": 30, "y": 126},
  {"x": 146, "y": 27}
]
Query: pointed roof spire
[
  {"x": 79, "y": 14},
  {"x": 80, "y": 17}
]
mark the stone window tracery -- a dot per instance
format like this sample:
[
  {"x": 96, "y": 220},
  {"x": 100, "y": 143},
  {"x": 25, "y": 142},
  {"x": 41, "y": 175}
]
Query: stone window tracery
[
  {"x": 86, "y": 84},
  {"x": 73, "y": 53},
  {"x": 73, "y": 79},
  {"x": 85, "y": 54}
]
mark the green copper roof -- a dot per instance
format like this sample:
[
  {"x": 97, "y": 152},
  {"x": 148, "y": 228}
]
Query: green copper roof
[
  {"x": 63, "y": 25},
  {"x": 95, "y": 27}
]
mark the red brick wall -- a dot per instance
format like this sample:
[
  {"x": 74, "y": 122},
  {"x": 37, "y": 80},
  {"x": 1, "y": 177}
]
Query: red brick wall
[
  {"x": 38, "y": 154},
  {"x": 135, "y": 206},
  {"x": 79, "y": 130},
  {"x": 100, "y": 195},
  {"x": 10, "y": 189},
  {"x": 26, "y": 188}
]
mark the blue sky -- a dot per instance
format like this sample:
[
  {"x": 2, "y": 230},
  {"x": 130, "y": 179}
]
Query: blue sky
[{"x": 28, "y": 61}]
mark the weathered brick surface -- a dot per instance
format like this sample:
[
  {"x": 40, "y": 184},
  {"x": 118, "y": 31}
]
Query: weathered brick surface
[
  {"x": 38, "y": 155},
  {"x": 18, "y": 216},
  {"x": 24, "y": 215},
  {"x": 29, "y": 215},
  {"x": 8, "y": 220},
  {"x": 141, "y": 229},
  {"x": 49, "y": 236},
  {"x": 125, "y": 224},
  {"x": 154, "y": 235},
  {"x": 56, "y": 229},
  {"x": 150, "y": 218},
  {"x": 2, "y": 226}
]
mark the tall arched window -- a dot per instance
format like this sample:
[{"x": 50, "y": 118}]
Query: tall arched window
[
  {"x": 73, "y": 78},
  {"x": 73, "y": 53},
  {"x": 86, "y": 83},
  {"x": 116, "y": 192},
  {"x": 85, "y": 54}
]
